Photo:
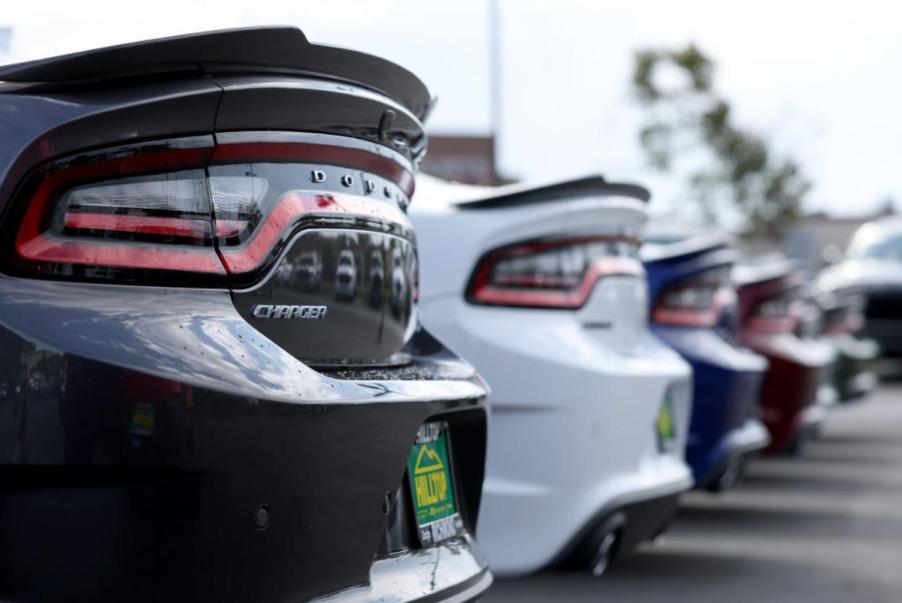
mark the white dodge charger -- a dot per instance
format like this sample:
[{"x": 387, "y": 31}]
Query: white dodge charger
[{"x": 542, "y": 290}]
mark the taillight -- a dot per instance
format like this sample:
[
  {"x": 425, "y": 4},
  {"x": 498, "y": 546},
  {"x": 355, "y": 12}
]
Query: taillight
[
  {"x": 778, "y": 314},
  {"x": 699, "y": 301},
  {"x": 556, "y": 273},
  {"x": 187, "y": 207},
  {"x": 135, "y": 208},
  {"x": 255, "y": 205}
]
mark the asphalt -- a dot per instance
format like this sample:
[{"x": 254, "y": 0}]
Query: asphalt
[{"x": 824, "y": 527}]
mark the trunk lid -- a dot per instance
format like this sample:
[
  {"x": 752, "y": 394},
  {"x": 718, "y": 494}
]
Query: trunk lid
[
  {"x": 301, "y": 171},
  {"x": 587, "y": 230}
]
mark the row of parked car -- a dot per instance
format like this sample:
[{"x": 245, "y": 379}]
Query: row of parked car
[{"x": 232, "y": 351}]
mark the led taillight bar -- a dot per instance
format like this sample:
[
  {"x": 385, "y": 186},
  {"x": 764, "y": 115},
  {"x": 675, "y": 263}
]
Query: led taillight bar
[
  {"x": 129, "y": 232},
  {"x": 544, "y": 291},
  {"x": 174, "y": 227},
  {"x": 34, "y": 241},
  {"x": 249, "y": 256},
  {"x": 693, "y": 317}
]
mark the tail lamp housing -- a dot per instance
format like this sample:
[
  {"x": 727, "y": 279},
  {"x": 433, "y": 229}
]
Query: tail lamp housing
[
  {"x": 193, "y": 211},
  {"x": 776, "y": 314},
  {"x": 551, "y": 273},
  {"x": 698, "y": 301}
]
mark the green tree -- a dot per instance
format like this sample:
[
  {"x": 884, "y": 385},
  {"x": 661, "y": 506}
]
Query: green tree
[{"x": 687, "y": 122}]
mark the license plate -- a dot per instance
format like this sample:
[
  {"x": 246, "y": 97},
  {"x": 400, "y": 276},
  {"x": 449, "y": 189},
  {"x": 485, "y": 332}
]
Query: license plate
[
  {"x": 665, "y": 425},
  {"x": 432, "y": 486}
]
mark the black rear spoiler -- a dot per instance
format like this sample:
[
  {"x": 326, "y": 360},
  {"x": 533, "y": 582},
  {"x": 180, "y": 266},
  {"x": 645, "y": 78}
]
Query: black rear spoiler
[
  {"x": 587, "y": 186},
  {"x": 282, "y": 50},
  {"x": 692, "y": 245}
]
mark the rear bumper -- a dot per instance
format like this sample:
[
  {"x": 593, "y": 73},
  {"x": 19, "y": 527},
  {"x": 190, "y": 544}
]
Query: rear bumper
[
  {"x": 153, "y": 446},
  {"x": 452, "y": 572},
  {"x": 588, "y": 412},
  {"x": 741, "y": 442},
  {"x": 726, "y": 387},
  {"x": 798, "y": 371}
]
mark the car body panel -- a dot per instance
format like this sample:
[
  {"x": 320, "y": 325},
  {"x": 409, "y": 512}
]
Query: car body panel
[
  {"x": 169, "y": 446},
  {"x": 796, "y": 388},
  {"x": 575, "y": 394},
  {"x": 726, "y": 385},
  {"x": 726, "y": 378},
  {"x": 872, "y": 270}
]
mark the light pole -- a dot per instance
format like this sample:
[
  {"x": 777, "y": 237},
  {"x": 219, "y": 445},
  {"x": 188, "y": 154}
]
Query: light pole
[{"x": 495, "y": 81}]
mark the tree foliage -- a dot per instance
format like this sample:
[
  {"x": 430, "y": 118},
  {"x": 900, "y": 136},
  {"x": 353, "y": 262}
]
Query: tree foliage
[{"x": 689, "y": 123}]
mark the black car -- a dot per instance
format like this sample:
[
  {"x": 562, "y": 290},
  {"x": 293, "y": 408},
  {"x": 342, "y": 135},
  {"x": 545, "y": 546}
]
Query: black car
[
  {"x": 872, "y": 270},
  {"x": 184, "y": 415}
]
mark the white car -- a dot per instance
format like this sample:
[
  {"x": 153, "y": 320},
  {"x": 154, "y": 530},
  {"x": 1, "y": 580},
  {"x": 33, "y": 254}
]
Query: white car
[
  {"x": 346, "y": 276},
  {"x": 542, "y": 290}
]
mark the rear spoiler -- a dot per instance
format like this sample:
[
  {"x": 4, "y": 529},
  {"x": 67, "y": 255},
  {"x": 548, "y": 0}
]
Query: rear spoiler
[
  {"x": 766, "y": 271},
  {"x": 691, "y": 246},
  {"x": 520, "y": 195},
  {"x": 272, "y": 50}
]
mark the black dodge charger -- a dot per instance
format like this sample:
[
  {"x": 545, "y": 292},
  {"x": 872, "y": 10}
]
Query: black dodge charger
[{"x": 213, "y": 384}]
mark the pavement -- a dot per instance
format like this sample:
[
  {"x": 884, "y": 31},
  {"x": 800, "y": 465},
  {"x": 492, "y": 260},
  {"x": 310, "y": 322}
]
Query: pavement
[{"x": 823, "y": 527}]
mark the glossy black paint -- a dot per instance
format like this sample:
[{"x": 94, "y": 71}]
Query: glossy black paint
[
  {"x": 270, "y": 102},
  {"x": 37, "y": 126},
  {"x": 237, "y": 422},
  {"x": 279, "y": 50},
  {"x": 42, "y": 120},
  {"x": 154, "y": 445},
  {"x": 518, "y": 195},
  {"x": 362, "y": 278}
]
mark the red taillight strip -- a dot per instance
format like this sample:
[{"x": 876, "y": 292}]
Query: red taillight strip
[
  {"x": 132, "y": 255},
  {"x": 685, "y": 317},
  {"x": 782, "y": 324},
  {"x": 786, "y": 323},
  {"x": 33, "y": 244},
  {"x": 176, "y": 227},
  {"x": 485, "y": 293},
  {"x": 292, "y": 206},
  {"x": 230, "y": 228},
  {"x": 316, "y": 153},
  {"x": 537, "y": 246}
]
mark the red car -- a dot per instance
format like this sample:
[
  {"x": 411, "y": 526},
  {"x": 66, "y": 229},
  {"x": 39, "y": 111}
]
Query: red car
[{"x": 796, "y": 389}]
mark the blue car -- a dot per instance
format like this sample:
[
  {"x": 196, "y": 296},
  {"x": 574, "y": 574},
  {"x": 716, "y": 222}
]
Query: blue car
[{"x": 691, "y": 304}]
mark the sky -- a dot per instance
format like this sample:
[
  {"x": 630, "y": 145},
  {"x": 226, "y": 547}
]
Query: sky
[{"x": 822, "y": 80}]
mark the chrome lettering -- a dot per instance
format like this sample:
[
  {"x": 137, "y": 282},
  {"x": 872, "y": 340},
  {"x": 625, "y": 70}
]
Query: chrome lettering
[{"x": 288, "y": 311}]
